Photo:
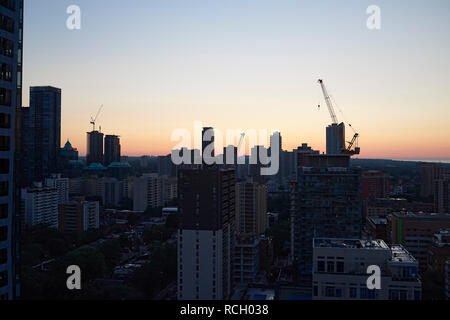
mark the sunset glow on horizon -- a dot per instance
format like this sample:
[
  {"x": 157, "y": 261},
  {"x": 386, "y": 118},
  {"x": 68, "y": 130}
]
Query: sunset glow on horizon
[{"x": 157, "y": 67}]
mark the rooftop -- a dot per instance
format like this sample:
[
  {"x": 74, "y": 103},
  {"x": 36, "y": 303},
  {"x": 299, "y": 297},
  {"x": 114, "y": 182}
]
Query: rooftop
[{"x": 349, "y": 243}]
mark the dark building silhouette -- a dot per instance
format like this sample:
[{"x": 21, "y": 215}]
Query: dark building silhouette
[
  {"x": 325, "y": 202},
  {"x": 11, "y": 38},
  {"x": 206, "y": 233},
  {"x": 94, "y": 147},
  {"x": 112, "y": 149},
  {"x": 41, "y": 133}
]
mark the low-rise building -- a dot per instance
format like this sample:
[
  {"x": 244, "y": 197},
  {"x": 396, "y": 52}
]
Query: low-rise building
[{"x": 340, "y": 270}]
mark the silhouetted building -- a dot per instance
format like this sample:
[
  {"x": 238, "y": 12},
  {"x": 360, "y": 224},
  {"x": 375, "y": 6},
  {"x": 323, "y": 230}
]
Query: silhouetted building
[
  {"x": 335, "y": 138},
  {"x": 375, "y": 184},
  {"x": 112, "y": 149},
  {"x": 41, "y": 133},
  {"x": 78, "y": 216},
  {"x": 11, "y": 51},
  {"x": 206, "y": 233},
  {"x": 325, "y": 202},
  {"x": 415, "y": 232},
  {"x": 94, "y": 147},
  {"x": 442, "y": 194},
  {"x": 429, "y": 172},
  {"x": 340, "y": 270}
]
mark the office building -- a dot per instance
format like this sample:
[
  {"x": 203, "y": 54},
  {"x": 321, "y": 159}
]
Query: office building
[
  {"x": 250, "y": 208},
  {"x": 325, "y": 202},
  {"x": 442, "y": 194},
  {"x": 78, "y": 215},
  {"x": 335, "y": 138},
  {"x": 381, "y": 207},
  {"x": 340, "y": 270},
  {"x": 40, "y": 206},
  {"x": 375, "y": 184},
  {"x": 94, "y": 147},
  {"x": 147, "y": 192},
  {"x": 61, "y": 185},
  {"x": 439, "y": 251},
  {"x": 377, "y": 228},
  {"x": 11, "y": 51},
  {"x": 429, "y": 172},
  {"x": 41, "y": 133},
  {"x": 415, "y": 232},
  {"x": 112, "y": 149},
  {"x": 206, "y": 233}
]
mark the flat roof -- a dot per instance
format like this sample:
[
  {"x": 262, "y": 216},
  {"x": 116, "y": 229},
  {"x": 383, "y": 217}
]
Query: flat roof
[{"x": 349, "y": 243}]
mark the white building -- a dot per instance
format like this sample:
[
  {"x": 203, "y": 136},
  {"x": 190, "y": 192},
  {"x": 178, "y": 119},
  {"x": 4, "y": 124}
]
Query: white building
[
  {"x": 340, "y": 270},
  {"x": 147, "y": 192},
  {"x": 61, "y": 184},
  {"x": 41, "y": 206}
]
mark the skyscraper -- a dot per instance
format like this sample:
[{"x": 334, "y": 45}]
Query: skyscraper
[
  {"x": 94, "y": 147},
  {"x": 206, "y": 233},
  {"x": 112, "y": 149},
  {"x": 326, "y": 202},
  {"x": 11, "y": 32},
  {"x": 429, "y": 172},
  {"x": 335, "y": 138},
  {"x": 41, "y": 133}
]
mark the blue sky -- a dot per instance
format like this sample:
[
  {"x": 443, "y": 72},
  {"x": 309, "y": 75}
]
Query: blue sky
[{"x": 160, "y": 65}]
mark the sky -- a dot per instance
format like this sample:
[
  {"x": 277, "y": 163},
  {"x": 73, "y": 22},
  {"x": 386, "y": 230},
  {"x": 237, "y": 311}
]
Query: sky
[{"x": 158, "y": 66}]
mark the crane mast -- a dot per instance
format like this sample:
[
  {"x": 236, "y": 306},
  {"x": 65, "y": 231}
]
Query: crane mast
[
  {"x": 345, "y": 149},
  {"x": 328, "y": 101}
]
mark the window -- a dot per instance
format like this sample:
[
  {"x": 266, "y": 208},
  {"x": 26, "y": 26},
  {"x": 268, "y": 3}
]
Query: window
[
  {"x": 316, "y": 291},
  {"x": 321, "y": 266},
  {"x": 3, "y": 279},
  {"x": 371, "y": 294},
  {"x": 5, "y": 72},
  {"x": 329, "y": 291},
  {"x": 338, "y": 292},
  {"x": 403, "y": 294},
  {"x": 9, "y": 4},
  {"x": 5, "y": 97},
  {"x": 4, "y": 143},
  {"x": 363, "y": 293},
  {"x": 5, "y": 120},
  {"x": 3, "y": 256},
  {"x": 3, "y": 211},
  {"x": 417, "y": 295},
  {"x": 340, "y": 266},
  {"x": 352, "y": 293},
  {"x": 393, "y": 294},
  {"x": 6, "y": 23},
  {"x": 6, "y": 47},
  {"x": 330, "y": 266},
  {"x": 3, "y": 233},
  {"x": 4, "y": 165},
  {"x": 3, "y": 188}
]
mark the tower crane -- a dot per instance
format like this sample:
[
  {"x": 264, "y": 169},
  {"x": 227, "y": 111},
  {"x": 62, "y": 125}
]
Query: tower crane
[
  {"x": 93, "y": 120},
  {"x": 354, "y": 142},
  {"x": 241, "y": 140}
]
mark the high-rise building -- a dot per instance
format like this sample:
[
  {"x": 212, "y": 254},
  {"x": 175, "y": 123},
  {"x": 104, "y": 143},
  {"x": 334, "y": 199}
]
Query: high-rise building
[
  {"x": 94, "y": 147},
  {"x": 335, "y": 138},
  {"x": 429, "y": 172},
  {"x": 78, "y": 215},
  {"x": 61, "y": 184},
  {"x": 439, "y": 251},
  {"x": 41, "y": 133},
  {"x": 112, "y": 149},
  {"x": 325, "y": 202},
  {"x": 251, "y": 208},
  {"x": 340, "y": 270},
  {"x": 11, "y": 39},
  {"x": 147, "y": 192},
  {"x": 415, "y": 232},
  {"x": 206, "y": 233},
  {"x": 375, "y": 184},
  {"x": 442, "y": 194},
  {"x": 40, "y": 206}
]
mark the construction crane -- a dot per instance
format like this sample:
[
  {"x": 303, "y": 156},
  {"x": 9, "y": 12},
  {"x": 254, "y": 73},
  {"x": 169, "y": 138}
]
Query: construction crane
[
  {"x": 241, "y": 140},
  {"x": 93, "y": 120},
  {"x": 346, "y": 149}
]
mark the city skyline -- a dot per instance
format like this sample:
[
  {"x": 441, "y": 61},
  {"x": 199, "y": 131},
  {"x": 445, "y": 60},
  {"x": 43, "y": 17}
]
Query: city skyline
[{"x": 246, "y": 65}]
